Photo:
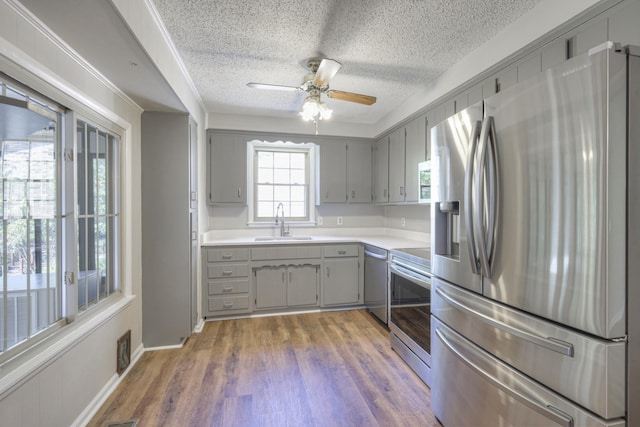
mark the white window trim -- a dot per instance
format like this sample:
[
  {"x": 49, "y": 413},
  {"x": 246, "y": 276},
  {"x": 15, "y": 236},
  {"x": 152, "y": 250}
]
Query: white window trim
[{"x": 311, "y": 149}]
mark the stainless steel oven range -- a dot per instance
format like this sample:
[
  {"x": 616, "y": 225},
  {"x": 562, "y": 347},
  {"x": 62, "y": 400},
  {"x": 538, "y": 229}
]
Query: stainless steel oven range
[{"x": 410, "y": 308}]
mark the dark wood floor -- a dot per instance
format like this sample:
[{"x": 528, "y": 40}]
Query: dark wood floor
[{"x": 317, "y": 369}]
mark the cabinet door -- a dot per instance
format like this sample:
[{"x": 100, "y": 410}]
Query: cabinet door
[
  {"x": 340, "y": 281},
  {"x": 359, "y": 162},
  {"x": 193, "y": 164},
  {"x": 396, "y": 166},
  {"x": 333, "y": 172},
  {"x": 227, "y": 168},
  {"x": 303, "y": 285},
  {"x": 381, "y": 173},
  {"x": 271, "y": 287},
  {"x": 415, "y": 153}
]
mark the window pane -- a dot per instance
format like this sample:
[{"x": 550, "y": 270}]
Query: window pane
[
  {"x": 281, "y": 193},
  {"x": 266, "y": 209},
  {"x": 98, "y": 227},
  {"x": 281, "y": 160},
  {"x": 281, "y": 176},
  {"x": 265, "y": 159},
  {"x": 298, "y": 193},
  {"x": 298, "y": 176},
  {"x": 265, "y": 175},
  {"x": 265, "y": 192},
  {"x": 81, "y": 161},
  {"x": 298, "y": 160},
  {"x": 298, "y": 209}
]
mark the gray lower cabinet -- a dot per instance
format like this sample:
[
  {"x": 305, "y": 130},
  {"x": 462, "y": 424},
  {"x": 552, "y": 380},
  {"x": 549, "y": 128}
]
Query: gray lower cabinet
[
  {"x": 226, "y": 274},
  {"x": 341, "y": 278},
  {"x": 241, "y": 280},
  {"x": 285, "y": 286}
]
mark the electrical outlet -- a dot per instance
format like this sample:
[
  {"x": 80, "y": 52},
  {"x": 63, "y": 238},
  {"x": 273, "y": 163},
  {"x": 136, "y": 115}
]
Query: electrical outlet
[
  {"x": 320, "y": 221},
  {"x": 403, "y": 222},
  {"x": 339, "y": 220}
]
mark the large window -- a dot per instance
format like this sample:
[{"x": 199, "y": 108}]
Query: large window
[
  {"x": 31, "y": 293},
  {"x": 40, "y": 172},
  {"x": 281, "y": 179}
]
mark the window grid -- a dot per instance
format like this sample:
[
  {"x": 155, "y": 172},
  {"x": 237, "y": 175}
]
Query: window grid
[
  {"x": 98, "y": 215},
  {"x": 281, "y": 176}
]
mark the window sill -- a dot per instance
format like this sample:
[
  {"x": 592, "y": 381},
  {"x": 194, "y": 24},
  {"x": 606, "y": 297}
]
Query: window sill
[{"x": 33, "y": 360}]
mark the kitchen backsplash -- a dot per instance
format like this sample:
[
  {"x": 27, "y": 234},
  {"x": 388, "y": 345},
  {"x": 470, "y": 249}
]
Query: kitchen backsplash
[{"x": 416, "y": 217}]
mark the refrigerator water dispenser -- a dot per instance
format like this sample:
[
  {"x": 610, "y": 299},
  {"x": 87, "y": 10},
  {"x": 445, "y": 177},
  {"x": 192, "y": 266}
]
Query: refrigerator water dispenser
[{"x": 447, "y": 224}]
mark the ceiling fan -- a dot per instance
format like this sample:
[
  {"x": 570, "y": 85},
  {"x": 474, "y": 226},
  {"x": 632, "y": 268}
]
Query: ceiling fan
[{"x": 316, "y": 83}]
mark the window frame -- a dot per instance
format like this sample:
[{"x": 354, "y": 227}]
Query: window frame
[{"x": 311, "y": 150}]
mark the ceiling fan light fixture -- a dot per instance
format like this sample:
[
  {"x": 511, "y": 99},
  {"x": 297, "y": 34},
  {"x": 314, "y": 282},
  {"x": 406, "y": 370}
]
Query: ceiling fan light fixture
[{"x": 313, "y": 110}]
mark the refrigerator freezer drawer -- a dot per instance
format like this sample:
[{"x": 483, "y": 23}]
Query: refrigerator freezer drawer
[
  {"x": 472, "y": 388},
  {"x": 587, "y": 370}
]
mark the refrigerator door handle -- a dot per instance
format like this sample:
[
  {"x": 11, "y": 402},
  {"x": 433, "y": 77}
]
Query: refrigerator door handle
[
  {"x": 545, "y": 410},
  {"x": 486, "y": 175},
  {"x": 470, "y": 209},
  {"x": 553, "y": 344},
  {"x": 494, "y": 190}
]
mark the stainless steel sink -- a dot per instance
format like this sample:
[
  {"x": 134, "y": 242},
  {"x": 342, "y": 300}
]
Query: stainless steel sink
[{"x": 277, "y": 239}]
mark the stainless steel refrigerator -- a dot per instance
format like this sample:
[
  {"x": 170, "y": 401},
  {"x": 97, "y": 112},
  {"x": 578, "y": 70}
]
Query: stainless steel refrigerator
[{"x": 536, "y": 251}]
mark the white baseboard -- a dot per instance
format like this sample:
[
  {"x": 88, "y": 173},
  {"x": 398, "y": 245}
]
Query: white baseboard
[
  {"x": 199, "y": 326},
  {"x": 93, "y": 407}
]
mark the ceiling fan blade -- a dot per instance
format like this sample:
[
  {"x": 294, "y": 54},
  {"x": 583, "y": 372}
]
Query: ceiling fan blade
[
  {"x": 327, "y": 69},
  {"x": 273, "y": 87},
  {"x": 351, "y": 97}
]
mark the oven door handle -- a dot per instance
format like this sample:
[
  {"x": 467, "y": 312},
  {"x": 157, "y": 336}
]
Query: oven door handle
[{"x": 411, "y": 276}]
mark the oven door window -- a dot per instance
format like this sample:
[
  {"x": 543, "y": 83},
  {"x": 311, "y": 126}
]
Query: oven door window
[{"x": 410, "y": 307}]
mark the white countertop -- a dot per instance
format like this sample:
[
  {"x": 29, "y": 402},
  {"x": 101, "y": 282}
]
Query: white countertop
[{"x": 386, "y": 238}]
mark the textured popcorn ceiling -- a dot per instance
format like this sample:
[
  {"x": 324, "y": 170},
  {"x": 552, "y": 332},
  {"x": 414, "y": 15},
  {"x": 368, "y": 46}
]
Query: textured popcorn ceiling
[{"x": 388, "y": 48}]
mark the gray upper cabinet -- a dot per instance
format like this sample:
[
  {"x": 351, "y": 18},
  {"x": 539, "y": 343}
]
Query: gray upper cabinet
[
  {"x": 415, "y": 151},
  {"x": 359, "y": 172},
  {"x": 623, "y": 24},
  {"x": 589, "y": 35},
  {"x": 407, "y": 148},
  {"x": 169, "y": 229},
  {"x": 396, "y": 165},
  {"x": 227, "y": 168},
  {"x": 554, "y": 53},
  {"x": 529, "y": 66},
  {"x": 345, "y": 172},
  {"x": 333, "y": 172},
  {"x": 382, "y": 170}
]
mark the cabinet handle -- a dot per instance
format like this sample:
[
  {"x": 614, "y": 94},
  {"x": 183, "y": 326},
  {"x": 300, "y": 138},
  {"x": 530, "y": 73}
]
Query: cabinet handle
[
  {"x": 289, "y": 277},
  {"x": 227, "y": 256},
  {"x": 228, "y": 289},
  {"x": 326, "y": 194},
  {"x": 283, "y": 277},
  {"x": 353, "y": 194},
  {"x": 342, "y": 252},
  {"x": 328, "y": 272},
  {"x": 239, "y": 192},
  {"x": 227, "y": 272},
  {"x": 385, "y": 193},
  {"x": 402, "y": 191},
  {"x": 227, "y": 305}
]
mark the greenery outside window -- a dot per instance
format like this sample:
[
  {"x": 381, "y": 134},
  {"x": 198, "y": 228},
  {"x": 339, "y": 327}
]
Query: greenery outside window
[{"x": 281, "y": 172}]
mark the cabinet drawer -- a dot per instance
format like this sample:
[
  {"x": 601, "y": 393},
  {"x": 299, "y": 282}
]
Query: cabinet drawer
[
  {"x": 227, "y": 254},
  {"x": 285, "y": 252},
  {"x": 334, "y": 251},
  {"x": 219, "y": 271},
  {"x": 238, "y": 302},
  {"x": 225, "y": 287}
]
